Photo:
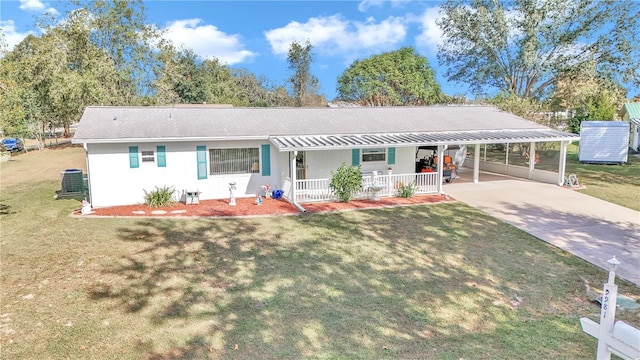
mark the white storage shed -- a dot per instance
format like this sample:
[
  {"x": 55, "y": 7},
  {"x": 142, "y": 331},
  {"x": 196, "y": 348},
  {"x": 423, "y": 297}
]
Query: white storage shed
[{"x": 604, "y": 142}]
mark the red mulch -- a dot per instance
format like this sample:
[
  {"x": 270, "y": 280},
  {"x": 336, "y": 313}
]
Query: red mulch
[{"x": 248, "y": 207}]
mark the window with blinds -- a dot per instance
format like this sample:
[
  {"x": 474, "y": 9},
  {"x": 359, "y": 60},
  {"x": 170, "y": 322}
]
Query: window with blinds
[
  {"x": 148, "y": 156},
  {"x": 375, "y": 154},
  {"x": 234, "y": 161}
]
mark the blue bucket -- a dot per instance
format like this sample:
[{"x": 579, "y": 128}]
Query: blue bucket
[{"x": 277, "y": 194}]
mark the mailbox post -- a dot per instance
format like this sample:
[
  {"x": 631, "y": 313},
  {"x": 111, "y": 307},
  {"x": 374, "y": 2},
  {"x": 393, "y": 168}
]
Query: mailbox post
[
  {"x": 614, "y": 337},
  {"x": 608, "y": 311}
]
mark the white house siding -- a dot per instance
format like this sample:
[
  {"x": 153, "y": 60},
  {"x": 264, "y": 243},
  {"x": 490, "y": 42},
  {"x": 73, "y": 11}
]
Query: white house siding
[
  {"x": 320, "y": 164},
  {"x": 113, "y": 182},
  {"x": 634, "y": 136}
]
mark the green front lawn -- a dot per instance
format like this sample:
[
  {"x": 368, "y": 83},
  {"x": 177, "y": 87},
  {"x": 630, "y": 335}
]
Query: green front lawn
[
  {"x": 433, "y": 281},
  {"x": 422, "y": 282}
]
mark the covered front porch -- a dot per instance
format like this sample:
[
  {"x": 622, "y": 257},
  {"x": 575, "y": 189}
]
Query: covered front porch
[{"x": 473, "y": 163}]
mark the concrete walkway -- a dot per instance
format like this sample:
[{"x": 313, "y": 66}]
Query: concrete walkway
[{"x": 589, "y": 228}]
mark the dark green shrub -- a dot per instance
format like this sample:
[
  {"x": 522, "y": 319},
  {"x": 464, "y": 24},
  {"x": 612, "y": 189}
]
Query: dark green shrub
[
  {"x": 407, "y": 190},
  {"x": 346, "y": 181},
  {"x": 159, "y": 197}
]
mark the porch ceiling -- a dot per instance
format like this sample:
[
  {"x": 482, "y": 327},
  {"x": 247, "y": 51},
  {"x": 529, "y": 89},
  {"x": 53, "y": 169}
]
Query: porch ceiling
[{"x": 350, "y": 141}]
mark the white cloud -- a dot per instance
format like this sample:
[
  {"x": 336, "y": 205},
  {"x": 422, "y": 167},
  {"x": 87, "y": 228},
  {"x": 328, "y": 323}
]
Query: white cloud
[
  {"x": 207, "y": 41},
  {"x": 365, "y": 5},
  {"x": 336, "y": 35},
  {"x": 430, "y": 36},
  {"x": 12, "y": 37},
  {"x": 37, "y": 6}
]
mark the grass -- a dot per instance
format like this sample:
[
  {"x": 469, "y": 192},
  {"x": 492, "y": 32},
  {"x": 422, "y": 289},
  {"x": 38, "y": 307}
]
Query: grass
[{"x": 433, "y": 281}]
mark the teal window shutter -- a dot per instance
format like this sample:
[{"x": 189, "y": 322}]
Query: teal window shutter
[
  {"x": 355, "y": 157},
  {"x": 133, "y": 157},
  {"x": 202, "y": 161},
  {"x": 266, "y": 160},
  {"x": 162, "y": 156},
  {"x": 391, "y": 156}
]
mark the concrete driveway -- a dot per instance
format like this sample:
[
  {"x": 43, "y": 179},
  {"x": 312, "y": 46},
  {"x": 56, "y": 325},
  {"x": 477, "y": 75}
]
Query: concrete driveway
[{"x": 589, "y": 228}]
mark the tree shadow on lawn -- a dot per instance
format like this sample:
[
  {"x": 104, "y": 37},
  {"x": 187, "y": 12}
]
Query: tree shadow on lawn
[
  {"x": 6, "y": 209},
  {"x": 410, "y": 282}
]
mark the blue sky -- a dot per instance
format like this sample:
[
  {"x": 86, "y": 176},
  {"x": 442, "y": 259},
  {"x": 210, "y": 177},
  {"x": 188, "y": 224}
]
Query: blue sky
[{"x": 256, "y": 34}]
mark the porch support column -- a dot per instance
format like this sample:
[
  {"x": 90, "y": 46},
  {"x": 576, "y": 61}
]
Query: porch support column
[
  {"x": 476, "y": 164},
  {"x": 506, "y": 160},
  {"x": 441, "y": 149},
  {"x": 563, "y": 162},
  {"x": 294, "y": 179},
  {"x": 532, "y": 158}
]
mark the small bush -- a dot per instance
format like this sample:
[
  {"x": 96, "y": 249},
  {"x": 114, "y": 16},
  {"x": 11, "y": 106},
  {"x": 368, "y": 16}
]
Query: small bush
[
  {"x": 159, "y": 197},
  {"x": 346, "y": 181},
  {"x": 407, "y": 190}
]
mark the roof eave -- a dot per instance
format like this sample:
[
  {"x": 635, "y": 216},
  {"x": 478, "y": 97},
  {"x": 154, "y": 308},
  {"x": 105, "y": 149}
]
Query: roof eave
[{"x": 161, "y": 140}]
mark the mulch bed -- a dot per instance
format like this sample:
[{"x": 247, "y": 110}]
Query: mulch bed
[{"x": 248, "y": 207}]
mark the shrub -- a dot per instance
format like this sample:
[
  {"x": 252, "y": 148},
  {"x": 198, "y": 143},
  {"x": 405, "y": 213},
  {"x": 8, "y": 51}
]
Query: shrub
[
  {"x": 159, "y": 197},
  {"x": 407, "y": 190},
  {"x": 346, "y": 181}
]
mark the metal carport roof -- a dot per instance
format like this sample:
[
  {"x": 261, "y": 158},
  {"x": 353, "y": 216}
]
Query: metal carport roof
[{"x": 328, "y": 142}]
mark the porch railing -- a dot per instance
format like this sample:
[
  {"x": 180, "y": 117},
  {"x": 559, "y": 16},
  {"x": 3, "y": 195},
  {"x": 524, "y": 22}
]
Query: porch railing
[{"x": 317, "y": 190}]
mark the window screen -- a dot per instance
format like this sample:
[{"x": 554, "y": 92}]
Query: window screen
[{"x": 234, "y": 161}]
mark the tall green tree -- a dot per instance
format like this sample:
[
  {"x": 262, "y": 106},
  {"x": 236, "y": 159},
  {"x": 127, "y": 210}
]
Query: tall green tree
[
  {"x": 185, "y": 78},
  {"x": 120, "y": 29},
  {"x": 397, "y": 78},
  {"x": 255, "y": 91},
  {"x": 52, "y": 78},
  {"x": 304, "y": 85},
  {"x": 522, "y": 47}
]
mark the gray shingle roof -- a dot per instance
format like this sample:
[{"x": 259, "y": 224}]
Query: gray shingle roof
[{"x": 297, "y": 128}]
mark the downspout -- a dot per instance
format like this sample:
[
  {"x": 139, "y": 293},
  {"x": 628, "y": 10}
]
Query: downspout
[
  {"x": 294, "y": 175},
  {"x": 86, "y": 159}
]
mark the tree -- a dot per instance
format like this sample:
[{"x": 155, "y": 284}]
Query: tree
[
  {"x": 51, "y": 79},
  {"x": 119, "y": 28},
  {"x": 522, "y": 47},
  {"x": 257, "y": 92},
  {"x": 304, "y": 86},
  {"x": 184, "y": 78},
  {"x": 397, "y": 78}
]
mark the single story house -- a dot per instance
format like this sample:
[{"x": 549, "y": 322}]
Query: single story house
[
  {"x": 130, "y": 150},
  {"x": 631, "y": 112}
]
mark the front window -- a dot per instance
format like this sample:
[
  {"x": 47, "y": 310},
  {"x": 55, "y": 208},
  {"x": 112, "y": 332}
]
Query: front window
[
  {"x": 148, "y": 156},
  {"x": 234, "y": 161},
  {"x": 375, "y": 154}
]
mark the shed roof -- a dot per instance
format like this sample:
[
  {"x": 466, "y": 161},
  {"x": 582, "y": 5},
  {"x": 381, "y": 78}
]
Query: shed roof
[
  {"x": 633, "y": 112},
  {"x": 312, "y": 128}
]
